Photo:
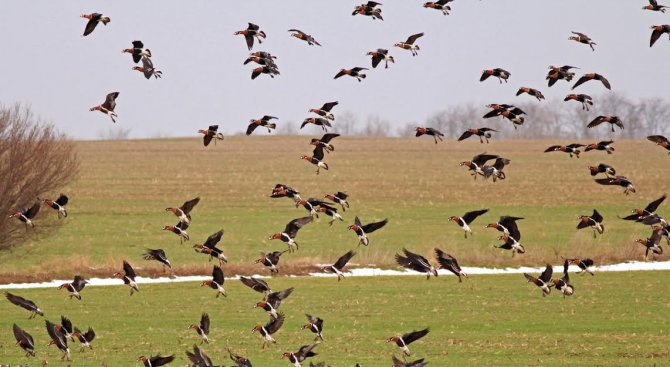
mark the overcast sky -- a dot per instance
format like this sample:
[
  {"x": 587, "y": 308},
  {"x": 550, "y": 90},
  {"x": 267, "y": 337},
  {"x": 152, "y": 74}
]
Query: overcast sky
[{"x": 48, "y": 65}]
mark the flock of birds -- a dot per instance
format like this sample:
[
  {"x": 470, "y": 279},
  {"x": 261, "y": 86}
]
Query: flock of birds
[{"x": 332, "y": 203}]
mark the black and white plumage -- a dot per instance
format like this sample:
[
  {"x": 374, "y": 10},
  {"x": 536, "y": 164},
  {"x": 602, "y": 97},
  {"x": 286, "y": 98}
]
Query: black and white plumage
[
  {"x": 209, "y": 247},
  {"x": 202, "y": 328},
  {"x": 128, "y": 277},
  {"x": 264, "y": 122},
  {"x": 24, "y": 340},
  {"x": 58, "y": 339},
  {"x": 217, "y": 282},
  {"x": 340, "y": 264},
  {"x": 315, "y": 325},
  {"x": 325, "y": 142},
  {"x": 27, "y": 215},
  {"x": 156, "y": 361},
  {"x": 306, "y": 351},
  {"x": 496, "y": 170},
  {"x": 511, "y": 234},
  {"x": 409, "y": 44},
  {"x": 449, "y": 263},
  {"x": 108, "y": 106},
  {"x": 25, "y": 304},
  {"x": 58, "y": 205},
  {"x": 239, "y": 360},
  {"x": 93, "y": 20},
  {"x": 430, "y": 132},
  {"x": 482, "y": 133},
  {"x": 584, "y": 265},
  {"x": 270, "y": 260},
  {"x": 594, "y": 221},
  {"x": 543, "y": 281},
  {"x": 148, "y": 69},
  {"x": 417, "y": 363},
  {"x": 499, "y": 73},
  {"x": 657, "y": 31},
  {"x": 618, "y": 181},
  {"x": 158, "y": 255},
  {"x": 184, "y": 211},
  {"x": 405, "y": 340},
  {"x": 582, "y": 38},
  {"x": 304, "y": 36},
  {"x": 477, "y": 163},
  {"x": 199, "y": 358},
  {"x": 270, "y": 328},
  {"x": 381, "y": 54},
  {"x": 258, "y": 285},
  {"x": 415, "y": 262},
  {"x": 466, "y": 219},
  {"x": 563, "y": 284},
  {"x": 612, "y": 120},
  {"x": 291, "y": 231},
  {"x": 274, "y": 300},
  {"x": 339, "y": 197},
  {"x": 75, "y": 287},
  {"x": 85, "y": 338},
  {"x": 363, "y": 230},
  {"x": 325, "y": 110}
]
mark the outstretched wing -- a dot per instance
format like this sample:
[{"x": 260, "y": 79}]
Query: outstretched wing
[
  {"x": 188, "y": 205},
  {"x": 110, "y": 101},
  {"x": 411, "y": 39},
  {"x": 371, "y": 227},
  {"x": 465, "y": 135},
  {"x": 62, "y": 200},
  {"x": 293, "y": 226},
  {"x": 213, "y": 239},
  {"x": 654, "y": 204},
  {"x": 415, "y": 335},
  {"x": 328, "y": 137},
  {"x": 344, "y": 259},
  {"x": 471, "y": 216}
]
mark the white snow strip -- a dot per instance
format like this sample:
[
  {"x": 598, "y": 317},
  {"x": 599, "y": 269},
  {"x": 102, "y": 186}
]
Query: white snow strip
[{"x": 357, "y": 272}]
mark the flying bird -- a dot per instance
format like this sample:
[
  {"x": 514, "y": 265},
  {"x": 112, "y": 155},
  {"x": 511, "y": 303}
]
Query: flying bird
[
  {"x": 325, "y": 142},
  {"x": 58, "y": 339},
  {"x": 409, "y": 44},
  {"x": 148, "y": 69},
  {"x": 661, "y": 141},
  {"x": 339, "y": 197},
  {"x": 430, "y": 132},
  {"x": 380, "y": 55},
  {"x": 180, "y": 230},
  {"x": 602, "y": 168},
  {"x": 24, "y": 340},
  {"x": 270, "y": 328},
  {"x": 316, "y": 159},
  {"x": 324, "y": 111},
  {"x": 543, "y": 281},
  {"x": 304, "y": 36},
  {"x": 138, "y": 51},
  {"x": 612, "y": 120},
  {"x": 317, "y": 121},
  {"x": 199, "y": 358},
  {"x": 259, "y": 285},
  {"x": 618, "y": 181},
  {"x": 273, "y": 301},
  {"x": 271, "y": 259},
  {"x": 269, "y": 70},
  {"x": 449, "y": 263},
  {"x": 58, "y": 205},
  {"x": 75, "y": 287},
  {"x": 572, "y": 149},
  {"x": 315, "y": 325},
  {"x": 466, "y": 219},
  {"x": 477, "y": 163},
  {"x": 155, "y": 361},
  {"x": 584, "y": 99},
  {"x": 594, "y": 221},
  {"x": 496, "y": 170},
  {"x": 239, "y": 360},
  {"x": 405, "y": 340},
  {"x": 158, "y": 255},
  {"x": 209, "y": 134},
  {"x": 417, "y": 363},
  {"x": 108, "y": 106},
  {"x": 264, "y": 122},
  {"x": 290, "y": 232},
  {"x": 563, "y": 284},
  {"x": 209, "y": 247},
  {"x": 202, "y": 328},
  {"x": 499, "y": 73},
  {"x": 217, "y": 282},
  {"x": 353, "y": 72},
  {"x": 531, "y": 92},
  {"x": 557, "y": 73},
  {"x": 653, "y": 6},
  {"x": 340, "y": 264},
  {"x": 657, "y": 32},
  {"x": 370, "y": 9},
  {"x": 84, "y": 339},
  {"x": 592, "y": 76},
  {"x": 440, "y": 5},
  {"x": 584, "y": 265},
  {"x": 306, "y": 351},
  {"x": 482, "y": 132},
  {"x": 605, "y": 145},
  {"x": 93, "y": 20},
  {"x": 511, "y": 234},
  {"x": 415, "y": 262},
  {"x": 582, "y": 38},
  {"x": 27, "y": 215},
  {"x": 252, "y": 31},
  {"x": 128, "y": 277},
  {"x": 363, "y": 230}
]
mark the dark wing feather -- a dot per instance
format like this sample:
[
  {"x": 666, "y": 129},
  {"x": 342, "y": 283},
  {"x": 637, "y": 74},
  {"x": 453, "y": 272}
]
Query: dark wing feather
[
  {"x": 411, "y": 39},
  {"x": 655, "y": 35},
  {"x": 547, "y": 273},
  {"x": 344, "y": 259},
  {"x": 188, "y": 206},
  {"x": 415, "y": 335},
  {"x": 328, "y": 137},
  {"x": 654, "y": 204},
  {"x": 250, "y": 129},
  {"x": 465, "y": 135},
  {"x": 90, "y": 26},
  {"x": 293, "y": 226},
  {"x": 470, "y": 216},
  {"x": 596, "y": 216},
  {"x": 213, "y": 239},
  {"x": 329, "y": 106},
  {"x": 110, "y": 101},
  {"x": 62, "y": 200},
  {"x": 275, "y": 323},
  {"x": 318, "y": 152},
  {"x": 160, "y": 360},
  {"x": 217, "y": 275},
  {"x": 128, "y": 270},
  {"x": 371, "y": 227},
  {"x": 657, "y": 138},
  {"x": 581, "y": 81},
  {"x": 204, "y": 322}
]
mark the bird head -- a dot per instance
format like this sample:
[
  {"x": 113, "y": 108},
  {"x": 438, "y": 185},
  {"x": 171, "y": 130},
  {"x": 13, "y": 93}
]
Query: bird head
[
  {"x": 15, "y": 215},
  {"x": 256, "y": 328},
  {"x": 193, "y": 326},
  {"x": 206, "y": 283},
  {"x": 305, "y": 157},
  {"x": 286, "y": 355},
  {"x": 260, "y": 305},
  {"x": 465, "y": 163},
  {"x": 64, "y": 285},
  {"x": 300, "y": 202},
  {"x": 128, "y": 50},
  {"x": 275, "y": 236},
  {"x": 503, "y": 238},
  {"x": 353, "y": 227},
  {"x": 453, "y": 219},
  {"x": 168, "y": 228},
  {"x": 392, "y": 339},
  {"x": 239, "y": 32},
  {"x": 138, "y": 68},
  {"x": 142, "y": 359},
  {"x": 118, "y": 275},
  {"x": 492, "y": 225}
]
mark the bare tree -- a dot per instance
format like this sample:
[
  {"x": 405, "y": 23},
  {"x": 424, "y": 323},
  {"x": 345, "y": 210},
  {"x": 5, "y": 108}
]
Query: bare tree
[
  {"x": 376, "y": 126},
  {"x": 35, "y": 160},
  {"x": 114, "y": 133},
  {"x": 346, "y": 123},
  {"x": 287, "y": 128}
]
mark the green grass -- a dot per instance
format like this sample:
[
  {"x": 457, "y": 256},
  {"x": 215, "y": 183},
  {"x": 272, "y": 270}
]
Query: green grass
[
  {"x": 117, "y": 203},
  {"x": 614, "y": 319}
]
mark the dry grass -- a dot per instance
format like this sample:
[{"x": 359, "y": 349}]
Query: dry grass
[{"x": 117, "y": 204}]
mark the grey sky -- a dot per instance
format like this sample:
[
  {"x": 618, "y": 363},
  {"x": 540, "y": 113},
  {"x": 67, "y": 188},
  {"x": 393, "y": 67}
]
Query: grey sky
[{"x": 48, "y": 65}]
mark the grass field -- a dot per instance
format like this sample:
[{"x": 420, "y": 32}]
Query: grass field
[
  {"x": 614, "y": 319},
  {"x": 117, "y": 203}
]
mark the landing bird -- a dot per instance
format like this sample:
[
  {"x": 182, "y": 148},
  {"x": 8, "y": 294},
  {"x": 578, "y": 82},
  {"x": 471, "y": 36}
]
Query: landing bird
[
  {"x": 148, "y": 69},
  {"x": 209, "y": 247},
  {"x": 27, "y": 215},
  {"x": 273, "y": 301},
  {"x": 415, "y": 262},
  {"x": 653, "y": 6},
  {"x": 66, "y": 328},
  {"x": 605, "y": 145},
  {"x": 449, "y": 263},
  {"x": 315, "y": 325},
  {"x": 594, "y": 221},
  {"x": 75, "y": 287},
  {"x": 158, "y": 255},
  {"x": 339, "y": 265},
  {"x": 592, "y": 76},
  {"x": 269, "y": 70},
  {"x": 370, "y": 9},
  {"x": 543, "y": 281},
  {"x": 324, "y": 111},
  {"x": 25, "y": 304},
  {"x": 58, "y": 339},
  {"x": 531, "y": 92},
  {"x": 270, "y": 260},
  {"x": 339, "y": 197},
  {"x": 138, "y": 51},
  {"x": 617, "y": 181},
  {"x": 306, "y": 351},
  {"x": 602, "y": 168},
  {"x": 584, "y": 99},
  {"x": 316, "y": 159},
  {"x": 440, "y": 5},
  {"x": 239, "y": 360},
  {"x": 430, "y": 132},
  {"x": 290, "y": 232},
  {"x": 304, "y": 36},
  {"x": 58, "y": 205},
  {"x": 180, "y": 230},
  {"x": 184, "y": 211},
  {"x": 499, "y": 73},
  {"x": 259, "y": 285},
  {"x": 128, "y": 277},
  {"x": 652, "y": 244},
  {"x": 582, "y": 38},
  {"x": 661, "y": 141},
  {"x": 270, "y": 328},
  {"x": 108, "y": 106},
  {"x": 644, "y": 214},
  {"x": 211, "y": 133},
  {"x": 363, "y": 230},
  {"x": 585, "y": 265},
  {"x": 324, "y": 142},
  {"x": 380, "y": 55},
  {"x": 264, "y": 122},
  {"x": 496, "y": 170},
  {"x": 657, "y": 32},
  {"x": 317, "y": 121},
  {"x": 155, "y": 361},
  {"x": 405, "y": 340},
  {"x": 563, "y": 284},
  {"x": 353, "y": 72},
  {"x": 84, "y": 338},
  {"x": 24, "y": 340},
  {"x": 93, "y": 20},
  {"x": 475, "y": 165},
  {"x": 612, "y": 120},
  {"x": 510, "y": 112},
  {"x": 252, "y": 31},
  {"x": 466, "y": 219},
  {"x": 482, "y": 132},
  {"x": 217, "y": 282},
  {"x": 409, "y": 44},
  {"x": 572, "y": 149},
  {"x": 202, "y": 329},
  {"x": 264, "y": 61},
  {"x": 329, "y": 211},
  {"x": 280, "y": 190},
  {"x": 511, "y": 234},
  {"x": 199, "y": 358}
]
